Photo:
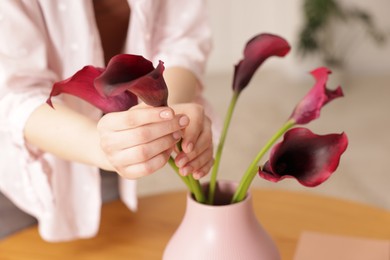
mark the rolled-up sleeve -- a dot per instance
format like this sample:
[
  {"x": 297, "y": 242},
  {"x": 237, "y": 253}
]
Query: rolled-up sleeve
[
  {"x": 181, "y": 35},
  {"x": 25, "y": 79},
  {"x": 63, "y": 196}
]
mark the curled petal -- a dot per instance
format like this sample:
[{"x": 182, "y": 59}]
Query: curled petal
[
  {"x": 117, "y": 87},
  {"x": 256, "y": 51},
  {"x": 122, "y": 68},
  {"x": 310, "y": 106},
  {"x": 305, "y": 156},
  {"x": 81, "y": 84},
  {"x": 150, "y": 87}
]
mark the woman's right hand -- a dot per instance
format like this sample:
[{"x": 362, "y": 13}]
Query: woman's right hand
[{"x": 139, "y": 141}]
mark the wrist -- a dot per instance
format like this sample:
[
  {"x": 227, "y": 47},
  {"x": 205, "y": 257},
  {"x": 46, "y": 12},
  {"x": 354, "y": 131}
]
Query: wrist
[
  {"x": 182, "y": 85},
  {"x": 98, "y": 157}
]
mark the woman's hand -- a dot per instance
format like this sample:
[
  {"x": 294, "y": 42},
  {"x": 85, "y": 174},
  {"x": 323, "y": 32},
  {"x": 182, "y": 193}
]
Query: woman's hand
[
  {"x": 197, "y": 147},
  {"x": 139, "y": 141}
]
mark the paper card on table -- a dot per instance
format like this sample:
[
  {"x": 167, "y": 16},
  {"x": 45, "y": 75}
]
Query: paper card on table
[{"x": 319, "y": 246}]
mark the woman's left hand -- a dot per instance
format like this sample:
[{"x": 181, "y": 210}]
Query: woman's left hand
[{"x": 196, "y": 156}]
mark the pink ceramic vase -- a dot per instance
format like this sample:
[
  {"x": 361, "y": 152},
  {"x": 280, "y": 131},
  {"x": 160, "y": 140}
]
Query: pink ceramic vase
[{"x": 221, "y": 232}]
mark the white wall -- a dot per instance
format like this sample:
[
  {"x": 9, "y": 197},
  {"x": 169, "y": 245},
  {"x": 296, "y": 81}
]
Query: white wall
[{"x": 236, "y": 21}]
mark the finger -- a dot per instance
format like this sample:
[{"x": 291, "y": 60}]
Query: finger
[
  {"x": 203, "y": 171},
  {"x": 142, "y": 153},
  {"x": 145, "y": 168},
  {"x": 204, "y": 142},
  {"x": 134, "y": 117},
  {"x": 128, "y": 138},
  {"x": 198, "y": 163},
  {"x": 193, "y": 132}
]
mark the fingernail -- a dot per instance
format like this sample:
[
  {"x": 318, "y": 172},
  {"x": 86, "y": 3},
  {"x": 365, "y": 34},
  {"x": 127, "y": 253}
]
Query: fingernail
[
  {"x": 186, "y": 170},
  {"x": 182, "y": 162},
  {"x": 198, "y": 175},
  {"x": 166, "y": 114},
  {"x": 177, "y": 135},
  {"x": 183, "y": 121},
  {"x": 190, "y": 147}
]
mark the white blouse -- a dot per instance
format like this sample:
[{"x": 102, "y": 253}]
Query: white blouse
[{"x": 42, "y": 41}]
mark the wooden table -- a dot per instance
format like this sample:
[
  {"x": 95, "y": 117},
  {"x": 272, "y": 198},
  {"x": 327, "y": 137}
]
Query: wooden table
[{"x": 143, "y": 235}]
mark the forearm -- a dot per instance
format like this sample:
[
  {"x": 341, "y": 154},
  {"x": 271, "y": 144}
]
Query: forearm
[
  {"x": 66, "y": 134},
  {"x": 182, "y": 85},
  {"x": 74, "y": 137}
]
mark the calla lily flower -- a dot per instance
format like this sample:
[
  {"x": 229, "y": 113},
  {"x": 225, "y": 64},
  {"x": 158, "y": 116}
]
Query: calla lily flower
[
  {"x": 256, "y": 51},
  {"x": 305, "y": 156},
  {"x": 135, "y": 74},
  {"x": 117, "y": 87},
  {"x": 310, "y": 106}
]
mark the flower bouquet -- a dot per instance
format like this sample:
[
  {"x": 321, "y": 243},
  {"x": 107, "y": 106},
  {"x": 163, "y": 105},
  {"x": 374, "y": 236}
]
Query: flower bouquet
[{"x": 308, "y": 157}]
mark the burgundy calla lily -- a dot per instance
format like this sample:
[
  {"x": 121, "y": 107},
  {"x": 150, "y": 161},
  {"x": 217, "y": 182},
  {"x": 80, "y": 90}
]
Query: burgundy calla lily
[
  {"x": 305, "y": 156},
  {"x": 256, "y": 51},
  {"x": 310, "y": 106},
  {"x": 117, "y": 87},
  {"x": 81, "y": 85},
  {"x": 135, "y": 74}
]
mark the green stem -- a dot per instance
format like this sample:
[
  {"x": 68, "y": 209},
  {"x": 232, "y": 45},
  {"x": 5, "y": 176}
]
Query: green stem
[
  {"x": 251, "y": 172},
  {"x": 192, "y": 184},
  {"x": 218, "y": 154},
  {"x": 171, "y": 162},
  {"x": 196, "y": 189}
]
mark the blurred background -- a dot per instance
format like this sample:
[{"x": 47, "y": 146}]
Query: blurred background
[{"x": 352, "y": 37}]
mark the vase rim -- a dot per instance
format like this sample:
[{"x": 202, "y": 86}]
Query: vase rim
[{"x": 230, "y": 186}]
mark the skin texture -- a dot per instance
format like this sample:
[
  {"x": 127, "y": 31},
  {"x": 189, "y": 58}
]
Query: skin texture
[{"x": 134, "y": 143}]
